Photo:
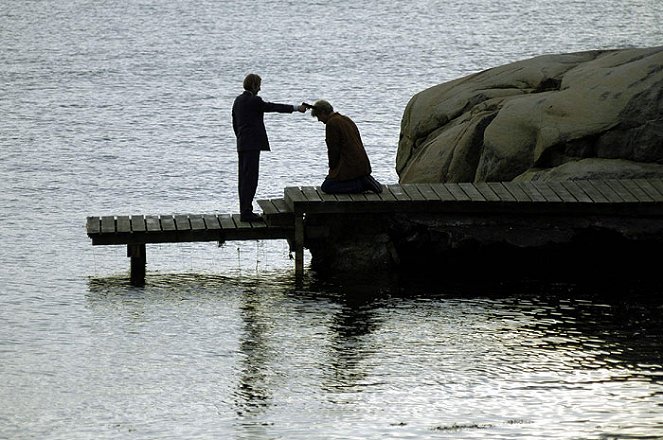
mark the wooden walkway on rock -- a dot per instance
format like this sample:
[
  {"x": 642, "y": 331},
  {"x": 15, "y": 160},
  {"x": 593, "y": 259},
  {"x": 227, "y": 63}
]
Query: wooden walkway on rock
[{"x": 285, "y": 217}]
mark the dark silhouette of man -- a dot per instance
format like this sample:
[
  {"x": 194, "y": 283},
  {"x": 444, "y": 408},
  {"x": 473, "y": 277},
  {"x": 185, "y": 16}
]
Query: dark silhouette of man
[{"x": 249, "y": 126}]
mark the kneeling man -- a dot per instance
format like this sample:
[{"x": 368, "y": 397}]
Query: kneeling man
[{"x": 349, "y": 167}]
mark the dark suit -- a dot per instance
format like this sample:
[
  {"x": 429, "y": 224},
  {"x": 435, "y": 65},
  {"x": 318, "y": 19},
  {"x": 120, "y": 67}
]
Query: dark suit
[{"x": 249, "y": 126}]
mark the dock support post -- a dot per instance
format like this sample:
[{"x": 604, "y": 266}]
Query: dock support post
[
  {"x": 299, "y": 243},
  {"x": 138, "y": 261}
]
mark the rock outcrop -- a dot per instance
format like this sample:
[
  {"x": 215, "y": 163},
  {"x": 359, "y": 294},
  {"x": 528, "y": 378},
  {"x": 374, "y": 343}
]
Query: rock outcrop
[{"x": 594, "y": 114}]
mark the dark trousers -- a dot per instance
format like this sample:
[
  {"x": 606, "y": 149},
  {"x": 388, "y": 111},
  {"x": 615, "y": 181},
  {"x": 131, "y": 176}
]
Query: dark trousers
[
  {"x": 352, "y": 186},
  {"x": 249, "y": 165}
]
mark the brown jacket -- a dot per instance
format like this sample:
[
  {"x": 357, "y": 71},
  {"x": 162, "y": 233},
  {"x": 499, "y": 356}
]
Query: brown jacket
[{"x": 347, "y": 157}]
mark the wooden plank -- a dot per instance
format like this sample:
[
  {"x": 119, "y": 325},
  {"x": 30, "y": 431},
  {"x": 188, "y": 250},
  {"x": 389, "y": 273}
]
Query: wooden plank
[
  {"x": 123, "y": 224},
  {"x": 240, "y": 224},
  {"x": 658, "y": 184},
  {"x": 637, "y": 192},
  {"x": 324, "y": 196},
  {"x": 386, "y": 195},
  {"x": 442, "y": 192},
  {"x": 474, "y": 194},
  {"x": 398, "y": 193},
  {"x": 343, "y": 198},
  {"x": 372, "y": 197},
  {"x": 357, "y": 197},
  {"x": 516, "y": 191},
  {"x": 197, "y": 222},
  {"x": 427, "y": 191},
  {"x": 621, "y": 190},
  {"x": 592, "y": 192},
  {"x": 108, "y": 225},
  {"x": 168, "y": 223},
  {"x": 152, "y": 223},
  {"x": 576, "y": 191},
  {"x": 311, "y": 194},
  {"x": 486, "y": 192},
  {"x": 281, "y": 206},
  {"x": 227, "y": 221},
  {"x": 93, "y": 225},
  {"x": 268, "y": 207},
  {"x": 500, "y": 190},
  {"x": 648, "y": 188},
  {"x": 531, "y": 191},
  {"x": 413, "y": 192},
  {"x": 602, "y": 187},
  {"x": 294, "y": 195},
  {"x": 456, "y": 192},
  {"x": 547, "y": 192},
  {"x": 137, "y": 223},
  {"x": 562, "y": 192},
  {"x": 182, "y": 223}
]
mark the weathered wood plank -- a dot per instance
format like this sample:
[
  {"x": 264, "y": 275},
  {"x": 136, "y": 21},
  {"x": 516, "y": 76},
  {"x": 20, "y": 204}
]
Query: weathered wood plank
[
  {"x": 240, "y": 224},
  {"x": 93, "y": 225},
  {"x": 531, "y": 191},
  {"x": 211, "y": 222},
  {"x": 281, "y": 206},
  {"x": 398, "y": 193},
  {"x": 546, "y": 191},
  {"x": 658, "y": 184},
  {"x": 487, "y": 192},
  {"x": 197, "y": 222},
  {"x": 386, "y": 195},
  {"x": 268, "y": 207},
  {"x": 576, "y": 191},
  {"x": 636, "y": 191},
  {"x": 426, "y": 191},
  {"x": 456, "y": 192},
  {"x": 621, "y": 190},
  {"x": 516, "y": 191},
  {"x": 561, "y": 192},
  {"x": 152, "y": 223},
  {"x": 324, "y": 196},
  {"x": 137, "y": 223},
  {"x": 227, "y": 221},
  {"x": 472, "y": 192},
  {"x": 648, "y": 188},
  {"x": 182, "y": 222},
  {"x": 293, "y": 194},
  {"x": 108, "y": 225},
  {"x": 413, "y": 192},
  {"x": 372, "y": 197},
  {"x": 357, "y": 197},
  {"x": 168, "y": 223},
  {"x": 343, "y": 198},
  {"x": 123, "y": 224},
  {"x": 501, "y": 192},
  {"x": 311, "y": 194},
  {"x": 592, "y": 192},
  {"x": 607, "y": 192}
]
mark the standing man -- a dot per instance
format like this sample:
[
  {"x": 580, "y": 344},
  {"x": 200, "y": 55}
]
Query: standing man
[
  {"x": 349, "y": 167},
  {"x": 249, "y": 126}
]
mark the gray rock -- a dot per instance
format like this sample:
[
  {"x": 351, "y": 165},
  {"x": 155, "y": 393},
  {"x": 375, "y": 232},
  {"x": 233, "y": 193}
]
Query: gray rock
[{"x": 595, "y": 114}]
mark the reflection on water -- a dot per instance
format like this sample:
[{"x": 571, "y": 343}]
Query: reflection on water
[{"x": 407, "y": 359}]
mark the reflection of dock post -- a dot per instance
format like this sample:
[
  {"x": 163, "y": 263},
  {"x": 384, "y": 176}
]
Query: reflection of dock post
[
  {"x": 299, "y": 242},
  {"x": 138, "y": 260}
]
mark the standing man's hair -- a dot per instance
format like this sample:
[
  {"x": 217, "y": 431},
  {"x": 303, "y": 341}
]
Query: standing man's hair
[
  {"x": 322, "y": 107},
  {"x": 252, "y": 82}
]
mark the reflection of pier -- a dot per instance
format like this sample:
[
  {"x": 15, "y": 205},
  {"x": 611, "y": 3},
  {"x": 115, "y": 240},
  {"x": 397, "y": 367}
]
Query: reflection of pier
[{"x": 633, "y": 205}]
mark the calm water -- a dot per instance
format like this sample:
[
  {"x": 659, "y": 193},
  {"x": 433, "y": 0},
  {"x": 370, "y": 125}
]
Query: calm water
[{"x": 123, "y": 107}]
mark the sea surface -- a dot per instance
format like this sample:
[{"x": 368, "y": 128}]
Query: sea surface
[{"x": 123, "y": 107}]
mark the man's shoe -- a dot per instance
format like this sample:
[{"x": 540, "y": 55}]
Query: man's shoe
[
  {"x": 372, "y": 184},
  {"x": 250, "y": 217}
]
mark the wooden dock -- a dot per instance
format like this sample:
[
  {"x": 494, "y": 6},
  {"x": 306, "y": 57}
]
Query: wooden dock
[{"x": 285, "y": 218}]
